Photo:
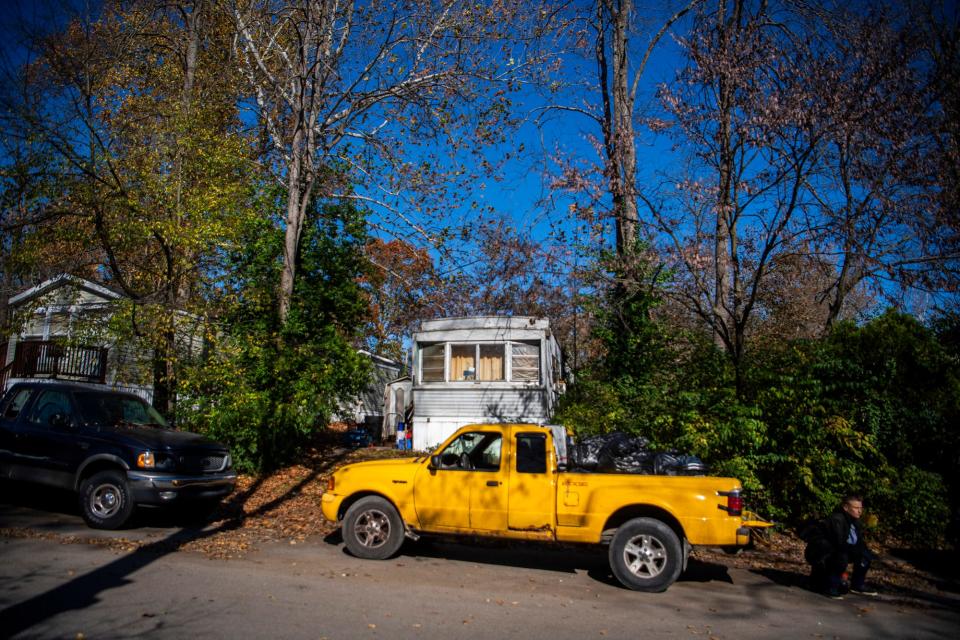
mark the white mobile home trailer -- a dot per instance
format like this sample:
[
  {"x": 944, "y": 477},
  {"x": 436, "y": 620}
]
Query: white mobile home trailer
[{"x": 482, "y": 369}]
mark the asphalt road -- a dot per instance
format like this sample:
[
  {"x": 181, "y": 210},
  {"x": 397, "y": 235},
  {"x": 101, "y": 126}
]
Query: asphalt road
[{"x": 434, "y": 590}]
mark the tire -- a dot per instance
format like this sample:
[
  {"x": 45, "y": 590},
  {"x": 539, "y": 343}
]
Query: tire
[
  {"x": 372, "y": 529},
  {"x": 646, "y": 555},
  {"x": 105, "y": 500}
]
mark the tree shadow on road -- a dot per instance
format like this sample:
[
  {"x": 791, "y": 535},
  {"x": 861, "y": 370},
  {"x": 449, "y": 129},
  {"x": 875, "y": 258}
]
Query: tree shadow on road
[{"x": 86, "y": 590}]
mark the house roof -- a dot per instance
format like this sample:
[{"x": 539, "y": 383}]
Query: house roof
[
  {"x": 484, "y": 322},
  {"x": 381, "y": 361},
  {"x": 64, "y": 279},
  {"x": 487, "y": 328}
]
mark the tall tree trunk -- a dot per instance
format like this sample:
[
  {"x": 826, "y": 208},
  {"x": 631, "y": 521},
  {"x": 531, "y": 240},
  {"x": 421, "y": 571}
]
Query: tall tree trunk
[
  {"x": 618, "y": 106},
  {"x": 178, "y": 287},
  {"x": 626, "y": 152},
  {"x": 191, "y": 21},
  {"x": 725, "y": 229},
  {"x": 294, "y": 226}
]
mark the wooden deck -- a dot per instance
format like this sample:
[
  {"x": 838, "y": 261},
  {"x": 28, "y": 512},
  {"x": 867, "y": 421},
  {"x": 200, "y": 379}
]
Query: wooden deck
[{"x": 54, "y": 359}]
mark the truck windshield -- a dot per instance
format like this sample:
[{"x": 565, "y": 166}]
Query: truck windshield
[{"x": 107, "y": 409}]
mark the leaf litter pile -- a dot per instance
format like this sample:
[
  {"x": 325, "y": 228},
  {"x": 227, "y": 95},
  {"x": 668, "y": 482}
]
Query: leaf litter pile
[{"x": 284, "y": 507}]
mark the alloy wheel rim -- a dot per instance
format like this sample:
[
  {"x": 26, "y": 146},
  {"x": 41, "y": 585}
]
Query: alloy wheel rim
[
  {"x": 645, "y": 556},
  {"x": 372, "y": 528}
]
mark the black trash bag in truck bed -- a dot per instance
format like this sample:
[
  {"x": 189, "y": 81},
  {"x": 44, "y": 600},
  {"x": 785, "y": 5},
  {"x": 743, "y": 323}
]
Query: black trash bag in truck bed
[
  {"x": 625, "y": 455},
  {"x": 639, "y": 461},
  {"x": 586, "y": 453},
  {"x": 671, "y": 463},
  {"x": 599, "y": 452},
  {"x": 619, "y": 453}
]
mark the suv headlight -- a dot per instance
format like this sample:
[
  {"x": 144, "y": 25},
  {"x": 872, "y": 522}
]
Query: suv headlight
[{"x": 150, "y": 460}]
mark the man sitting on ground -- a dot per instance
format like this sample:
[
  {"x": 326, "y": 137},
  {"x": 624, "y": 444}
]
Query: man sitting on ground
[{"x": 835, "y": 542}]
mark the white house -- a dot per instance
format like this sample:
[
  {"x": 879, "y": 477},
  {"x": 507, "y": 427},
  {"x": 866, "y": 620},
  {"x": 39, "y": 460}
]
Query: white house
[
  {"x": 62, "y": 335},
  {"x": 482, "y": 369},
  {"x": 369, "y": 409}
]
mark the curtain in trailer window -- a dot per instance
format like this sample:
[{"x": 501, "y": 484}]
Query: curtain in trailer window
[
  {"x": 463, "y": 364},
  {"x": 491, "y": 362},
  {"x": 525, "y": 362}
]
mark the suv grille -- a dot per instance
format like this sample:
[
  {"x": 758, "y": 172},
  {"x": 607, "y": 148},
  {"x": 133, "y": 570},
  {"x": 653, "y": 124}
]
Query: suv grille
[{"x": 203, "y": 463}]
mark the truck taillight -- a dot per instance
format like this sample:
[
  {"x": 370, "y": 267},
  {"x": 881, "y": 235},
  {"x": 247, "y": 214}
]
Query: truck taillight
[
  {"x": 734, "y": 504},
  {"x": 331, "y": 483}
]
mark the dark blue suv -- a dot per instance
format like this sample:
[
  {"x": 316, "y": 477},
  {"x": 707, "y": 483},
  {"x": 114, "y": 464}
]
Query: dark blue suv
[{"x": 112, "y": 448}]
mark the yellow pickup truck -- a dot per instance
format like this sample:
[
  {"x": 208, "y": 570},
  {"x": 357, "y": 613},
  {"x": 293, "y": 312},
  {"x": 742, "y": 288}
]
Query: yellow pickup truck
[{"x": 509, "y": 481}]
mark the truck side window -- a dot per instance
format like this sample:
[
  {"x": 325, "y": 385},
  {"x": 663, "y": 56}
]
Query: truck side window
[
  {"x": 474, "y": 451},
  {"x": 15, "y": 404},
  {"x": 531, "y": 453},
  {"x": 49, "y": 404}
]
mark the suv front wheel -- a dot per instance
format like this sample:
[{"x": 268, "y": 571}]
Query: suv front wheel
[{"x": 105, "y": 500}]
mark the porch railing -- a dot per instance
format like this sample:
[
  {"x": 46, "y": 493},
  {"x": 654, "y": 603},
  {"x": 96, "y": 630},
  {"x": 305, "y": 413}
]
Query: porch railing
[{"x": 53, "y": 359}]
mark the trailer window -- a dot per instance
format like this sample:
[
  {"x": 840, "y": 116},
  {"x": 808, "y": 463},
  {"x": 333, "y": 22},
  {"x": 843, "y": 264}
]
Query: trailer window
[
  {"x": 525, "y": 362},
  {"x": 431, "y": 363},
  {"x": 491, "y": 362},
  {"x": 477, "y": 362},
  {"x": 463, "y": 362}
]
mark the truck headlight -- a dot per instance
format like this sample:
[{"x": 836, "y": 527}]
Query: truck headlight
[{"x": 150, "y": 460}]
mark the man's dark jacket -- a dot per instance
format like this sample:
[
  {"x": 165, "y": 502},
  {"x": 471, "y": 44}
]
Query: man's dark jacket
[{"x": 829, "y": 537}]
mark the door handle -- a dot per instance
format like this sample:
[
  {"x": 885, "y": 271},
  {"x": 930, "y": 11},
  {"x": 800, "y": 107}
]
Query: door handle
[{"x": 493, "y": 483}]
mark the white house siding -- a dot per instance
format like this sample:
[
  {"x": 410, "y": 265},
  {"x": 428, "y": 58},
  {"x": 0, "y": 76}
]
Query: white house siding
[
  {"x": 441, "y": 407},
  {"x": 69, "y": 306},
  {"x": 438, "y": 412}
]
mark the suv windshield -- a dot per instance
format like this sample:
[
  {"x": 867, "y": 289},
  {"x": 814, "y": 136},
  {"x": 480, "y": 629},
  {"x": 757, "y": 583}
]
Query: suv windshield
[{"x": 106, "y": 409}]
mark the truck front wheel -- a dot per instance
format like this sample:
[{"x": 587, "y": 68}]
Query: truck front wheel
[
  {"x": 646, "y": 555},
  {"x": 105, "y": 500},
  {"x": 372, "y": 529}
]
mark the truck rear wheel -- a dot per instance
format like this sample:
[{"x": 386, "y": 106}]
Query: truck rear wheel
[
  {"x": 646, "y": 555},
  {"x": 372, "y": 529}
]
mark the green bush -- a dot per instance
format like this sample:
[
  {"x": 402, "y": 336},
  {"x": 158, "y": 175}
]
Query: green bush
[
  {"x": 911, "y": 504},
  {"x": 264, "y": 387},
  {"x": 870, "y": 409}
]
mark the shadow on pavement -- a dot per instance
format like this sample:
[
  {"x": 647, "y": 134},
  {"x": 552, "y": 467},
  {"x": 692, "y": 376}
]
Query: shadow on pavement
[
  {"x": 85, "y": 590},
  {"x": 33, "y": 498},
  {"x": 701, "y": 571},
  {"x": 943, "y": 564},
  {"x": 39, "y": 498},
  {"x": 566, "y": 559},
  {"x": 888, "y": 593},
  {"x": 784, "y": 578},
  {"x": 533, "y": 555}
]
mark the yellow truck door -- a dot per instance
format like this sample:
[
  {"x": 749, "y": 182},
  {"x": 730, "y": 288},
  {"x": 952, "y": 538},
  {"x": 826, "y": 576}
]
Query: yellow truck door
[
  {"x": 532, "y": 493},
  {"x": 466, "y": 490}
]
